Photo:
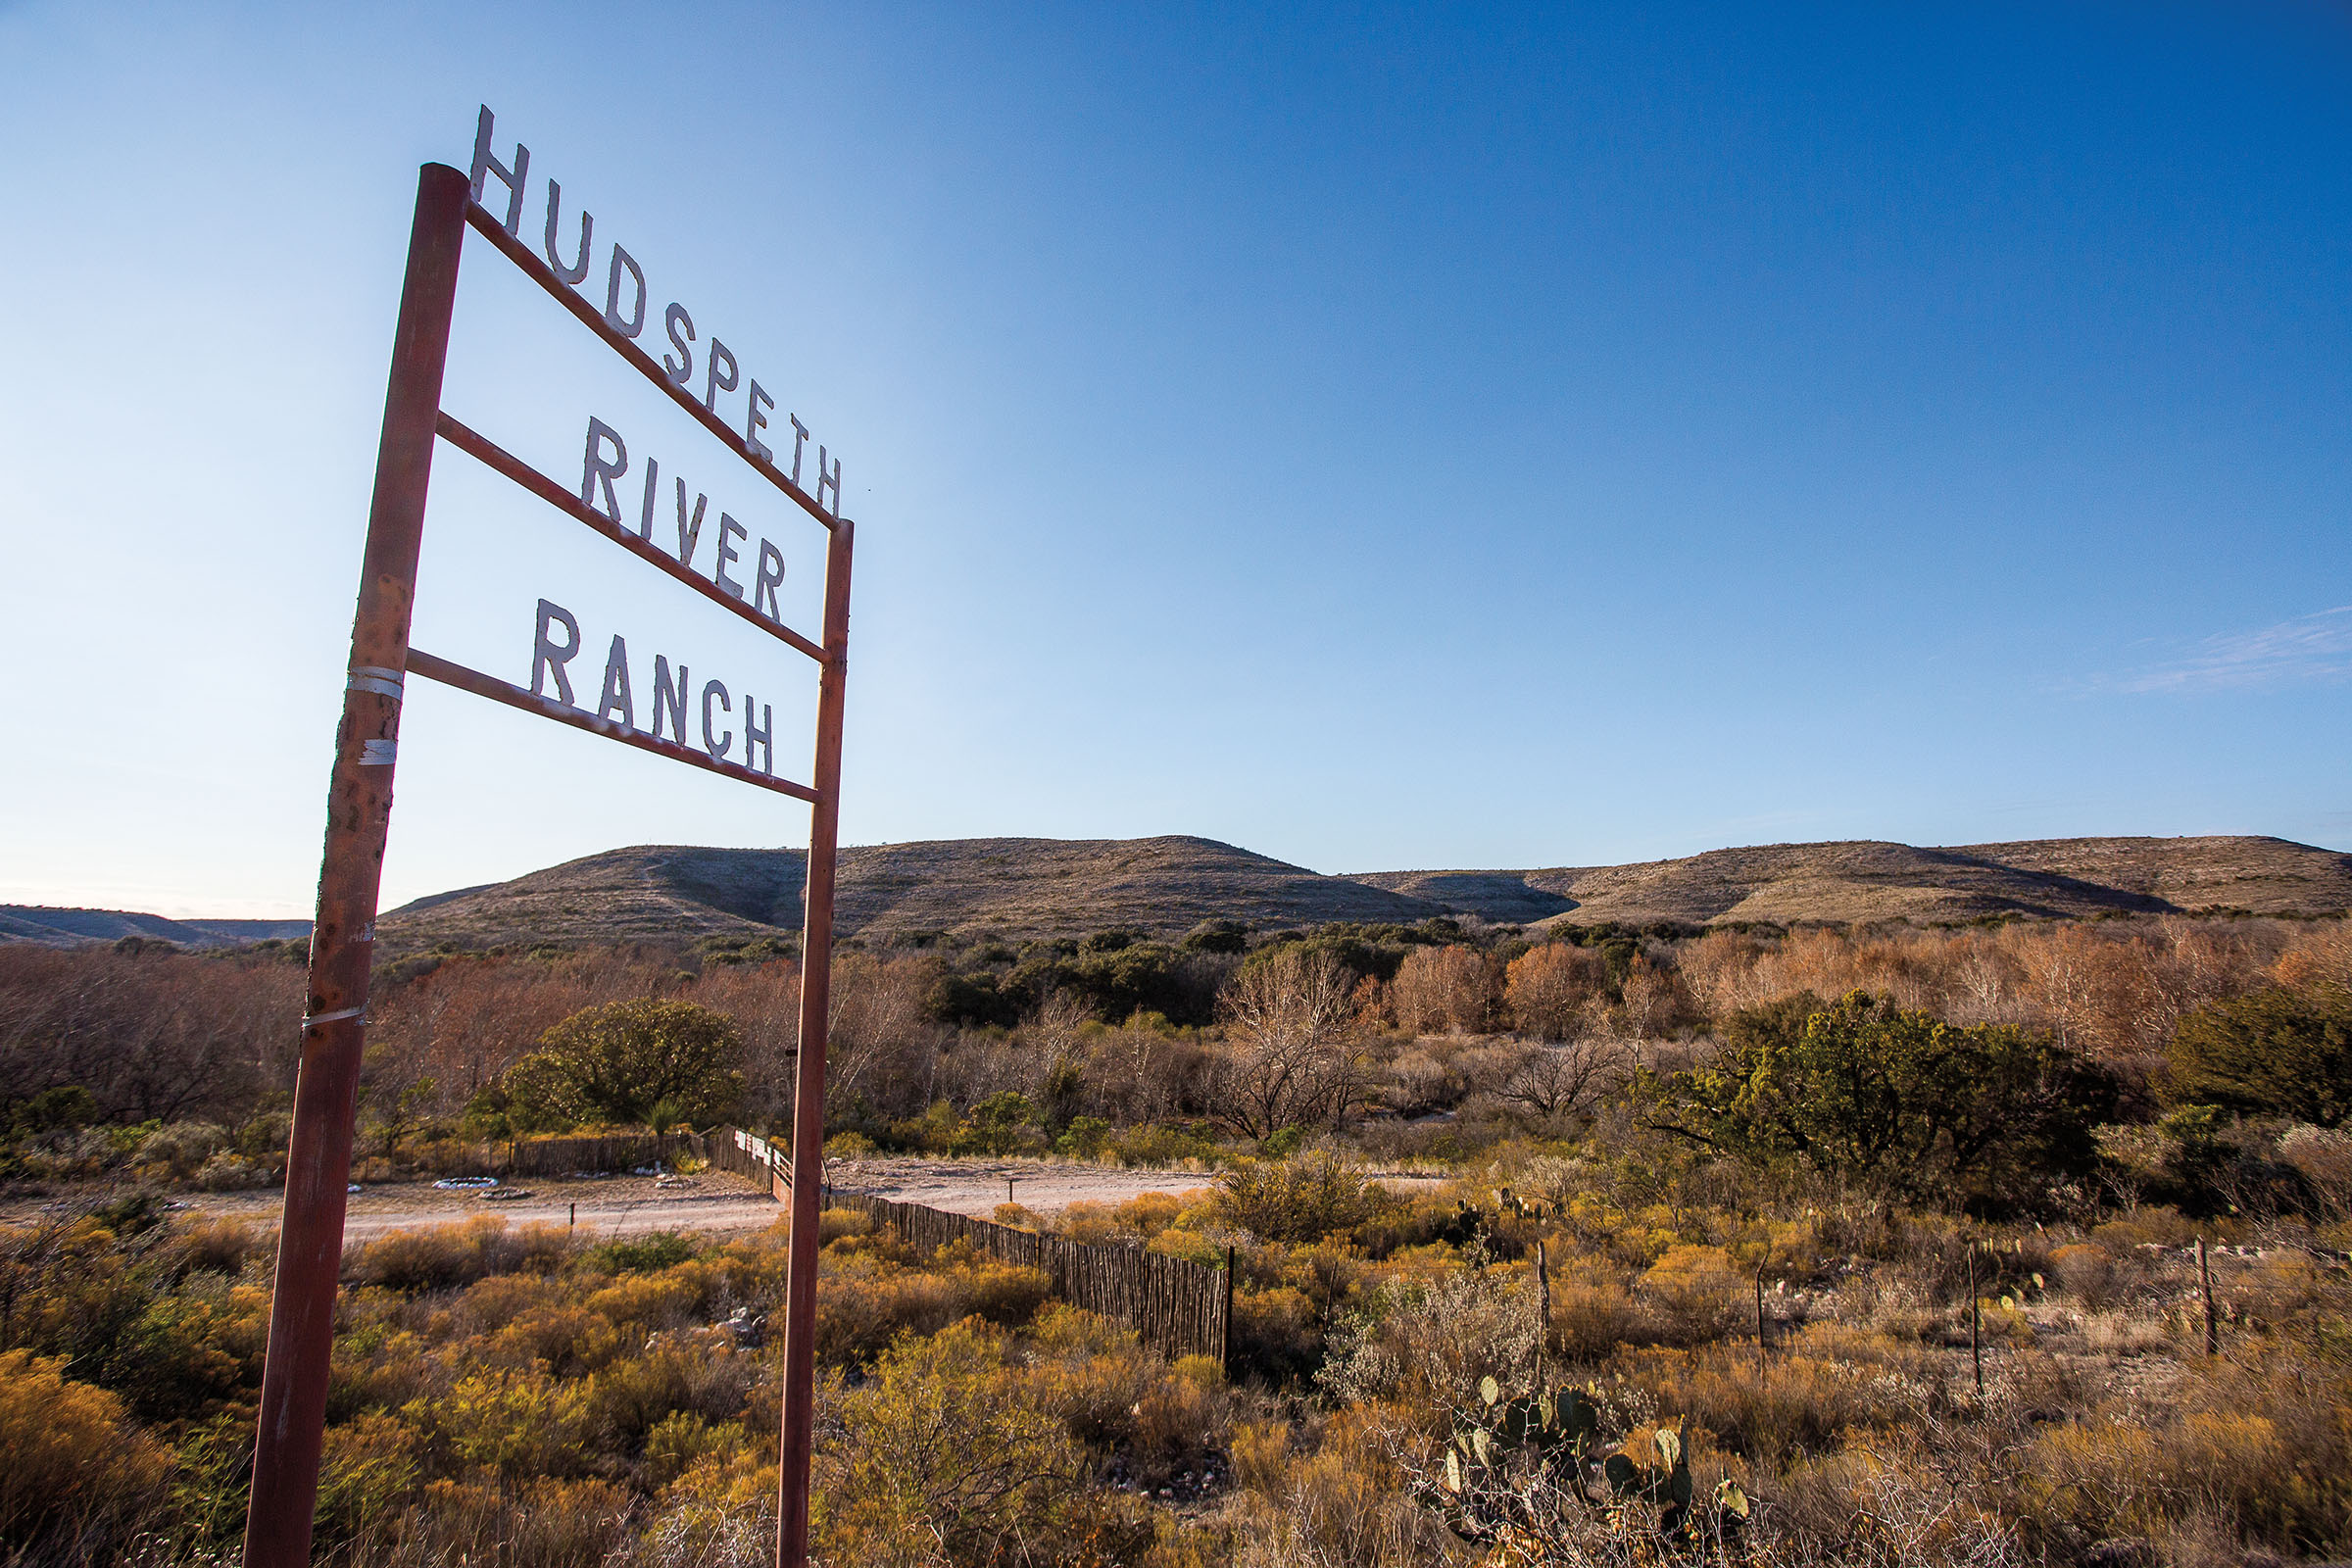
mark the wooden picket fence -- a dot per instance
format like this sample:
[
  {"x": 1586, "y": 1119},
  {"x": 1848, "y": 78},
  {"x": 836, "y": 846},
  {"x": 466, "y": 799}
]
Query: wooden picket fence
[
  {"x": 1177, "y": 1306},
  {"x": 560, "y": 1157},
  {"x": 548, "y": 1157}
]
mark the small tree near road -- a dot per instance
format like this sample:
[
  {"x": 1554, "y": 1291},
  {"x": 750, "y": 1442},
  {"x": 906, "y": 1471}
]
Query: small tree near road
[
  {"x": 634, "y": 1063},
  {"x": 1862, "y": 1090}
]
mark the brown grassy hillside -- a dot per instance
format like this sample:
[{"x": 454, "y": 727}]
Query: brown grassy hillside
[
  {"x": 1028, "y": 888},
  {"x": 1024, "y": 887},
  {"x": 1017, "y": 887}
]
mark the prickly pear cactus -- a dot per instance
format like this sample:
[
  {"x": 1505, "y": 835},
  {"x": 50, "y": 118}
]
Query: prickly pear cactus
[
  {"x": 1656, "y": 1498},
  {"x": 1511, "y": 1456},
  {"x": 1521, "y": 1468},
  {"x": 1507, "y": 1202}
]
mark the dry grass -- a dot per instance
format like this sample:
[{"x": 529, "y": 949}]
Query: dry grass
[{"x": 486, "y": 1376}]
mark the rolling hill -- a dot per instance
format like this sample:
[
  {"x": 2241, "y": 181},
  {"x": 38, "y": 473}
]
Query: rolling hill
[
  {"x": 1017, "y": 888},
  {"x": 1026, "y": 888},
  {"x": 1870, "y": 880},
  {"x": 1023, "y": 888},
  {"x": 31, "y": 923}
]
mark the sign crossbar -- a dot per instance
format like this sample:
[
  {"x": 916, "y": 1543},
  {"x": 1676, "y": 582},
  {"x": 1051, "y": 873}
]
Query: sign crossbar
[
  {"x": 500, "y": 461},
  {"x": 450, "y": 673}
]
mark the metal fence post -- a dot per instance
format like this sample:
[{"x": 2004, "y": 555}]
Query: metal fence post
[
  {"x": 310, "y": 1250},
  {"x": 2213, "y": 1334},
  {"x": 796, "y": 1446}
]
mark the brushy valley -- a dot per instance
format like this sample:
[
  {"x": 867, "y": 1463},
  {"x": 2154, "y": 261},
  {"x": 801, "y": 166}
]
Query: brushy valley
[{"x": 2013, "y": 1243}]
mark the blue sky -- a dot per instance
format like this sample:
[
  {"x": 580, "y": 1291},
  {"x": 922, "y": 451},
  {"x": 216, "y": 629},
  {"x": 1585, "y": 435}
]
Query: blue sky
[{"x": 1379, "y": 437}]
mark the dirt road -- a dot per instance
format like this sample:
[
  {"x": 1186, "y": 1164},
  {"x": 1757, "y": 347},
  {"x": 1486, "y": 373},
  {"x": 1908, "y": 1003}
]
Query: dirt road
[
  {"x": 714, "y": 1200},
  {"x": 616, "y": 1206},
  {"x": 711, "y": 1200},
  {"x": 978, "y": 1186}
]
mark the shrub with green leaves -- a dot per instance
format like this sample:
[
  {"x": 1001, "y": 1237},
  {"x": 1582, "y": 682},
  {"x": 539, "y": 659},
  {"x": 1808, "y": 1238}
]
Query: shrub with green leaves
[
  {"x": 643, "y": 1254},
  {"x": 1003, "y": 1123},
  {"x": 957, "y": 1454},
  {"x": 2277, "y": 1052},
  {"x": 1865, "y": 1091},
  {"x": 634, "y": 1063},
  {"x": 1303, "y": 1198}
]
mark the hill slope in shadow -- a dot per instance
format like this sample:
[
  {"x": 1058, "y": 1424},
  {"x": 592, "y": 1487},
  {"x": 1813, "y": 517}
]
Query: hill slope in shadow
[
  {"x": 1870, "y": 880},
  {"x": 68, "y": 927}
]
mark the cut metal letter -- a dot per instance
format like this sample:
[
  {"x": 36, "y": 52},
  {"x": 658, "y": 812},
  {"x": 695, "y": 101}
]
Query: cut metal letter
[
  {"x": 716, "y": 744},
  {"x": 645, "y": 517},
  {"x": 712, "y": 383},
  {"x": 771, "y": 577},
  {"x": 676, "y": 321},
  {"x": 578, "y": 269},
  {"x": 622, "y": 261},
  {"x": 825, "y": 479},
  {"x": 754, "y": 422},
  {"x": 669, "y": 699},
  {"x": 689, "y": 532},
  {"x": 617, "y": 700},
  {"x": 596, "y": 473},
  {"x": 726, "y": 553},
  {"x": 759, "y": 734},
  {"x": 547, "y": 658},
  {"x": 484, "y": 166}
]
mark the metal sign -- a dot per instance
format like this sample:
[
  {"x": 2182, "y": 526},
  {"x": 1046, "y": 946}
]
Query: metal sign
[{"x": 703, "y": 726}]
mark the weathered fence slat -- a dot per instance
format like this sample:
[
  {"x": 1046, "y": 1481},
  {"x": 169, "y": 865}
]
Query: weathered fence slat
[
  {"x": 561, "y": 1157},
  {"x": 1175, "y": 1305}
]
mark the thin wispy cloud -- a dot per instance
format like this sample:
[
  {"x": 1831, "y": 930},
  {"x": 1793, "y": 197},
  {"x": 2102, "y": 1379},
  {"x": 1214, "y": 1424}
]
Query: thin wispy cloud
[{"x": 2307, "y": 648}]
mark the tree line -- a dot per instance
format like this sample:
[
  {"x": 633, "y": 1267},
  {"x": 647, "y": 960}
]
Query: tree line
[{"x": 1982, "y": 1059}]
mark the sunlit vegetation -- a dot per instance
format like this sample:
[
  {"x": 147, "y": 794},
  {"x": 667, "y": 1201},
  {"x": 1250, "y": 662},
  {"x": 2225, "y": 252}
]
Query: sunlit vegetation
[{"x": 1874, "y": 1246}]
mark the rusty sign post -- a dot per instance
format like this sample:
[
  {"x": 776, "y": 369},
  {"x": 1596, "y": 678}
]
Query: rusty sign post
[
  {"x": 359, "y": 810},
  {"x": 796, "y": 1445},
  {"x": 290, "y": 1430}
]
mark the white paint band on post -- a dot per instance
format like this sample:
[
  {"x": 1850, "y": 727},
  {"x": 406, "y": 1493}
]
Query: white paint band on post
[{"x": 383, "y": 683}]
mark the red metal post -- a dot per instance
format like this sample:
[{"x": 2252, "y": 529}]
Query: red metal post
[
  {"x": 809, "y": 1084},
  {"x": 309, "y": 1248}
]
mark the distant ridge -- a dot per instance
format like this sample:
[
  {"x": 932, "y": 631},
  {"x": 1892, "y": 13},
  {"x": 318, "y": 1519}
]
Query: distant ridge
[
  {"x": 31, "y": 922},
  {"x": 1023, "y": 889},
  {"x": 1872, "y": 880},
  {"x": 1028, "y": 888}
]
